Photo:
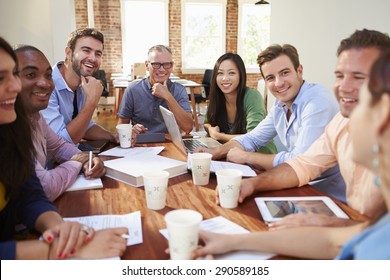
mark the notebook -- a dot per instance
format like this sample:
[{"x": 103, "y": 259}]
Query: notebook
[
  {"x": 187, "y": 145},
  {"x": 95, "y": 146}
]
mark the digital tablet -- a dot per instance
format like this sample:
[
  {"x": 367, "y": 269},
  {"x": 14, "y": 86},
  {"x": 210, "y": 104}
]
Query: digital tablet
[{"x": 273, "y": 209}]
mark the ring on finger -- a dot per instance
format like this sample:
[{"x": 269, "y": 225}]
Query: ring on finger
[{"x": 85, "y": 229}]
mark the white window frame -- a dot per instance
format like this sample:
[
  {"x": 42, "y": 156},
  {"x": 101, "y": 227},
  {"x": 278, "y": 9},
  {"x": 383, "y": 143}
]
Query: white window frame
[
  {"x": 240, "y": 47},
  {"x": 127, "y": 61},
  {"x": 200, "y": 70}
]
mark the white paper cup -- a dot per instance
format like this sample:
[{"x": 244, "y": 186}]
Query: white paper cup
[
  {"x": 124, "y": 134},
  {"x": 183, "y": 232},
  {"x": 229, "y": 183},
  {"x": 156, "y": 185},
  {"x": 200, "y": 165}
]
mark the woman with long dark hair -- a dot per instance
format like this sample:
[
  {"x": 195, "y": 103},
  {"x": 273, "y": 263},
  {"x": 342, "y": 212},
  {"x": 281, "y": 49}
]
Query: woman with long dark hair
[
  {"x": 22, "y": 199},
  {"x": 234, "y": 108}
]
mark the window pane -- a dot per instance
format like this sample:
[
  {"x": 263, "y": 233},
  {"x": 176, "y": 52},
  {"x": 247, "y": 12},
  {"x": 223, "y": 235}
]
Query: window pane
[
  {"x": 138, "y": 34},
  {"x": 254, "y": 32},
  {"x": 202, "y": 35}
]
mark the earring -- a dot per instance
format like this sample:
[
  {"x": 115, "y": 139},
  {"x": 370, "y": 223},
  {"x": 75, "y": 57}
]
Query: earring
[
  {"x": 377, "y": 181},
  {"x": 375, "y": 164},
  {"x": 375, "y": 161}
]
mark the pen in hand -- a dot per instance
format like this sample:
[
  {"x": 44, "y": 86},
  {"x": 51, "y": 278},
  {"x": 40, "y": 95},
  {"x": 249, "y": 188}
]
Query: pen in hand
[
  {"x": 90, "y": 161},
  {"x": 125, "y": 236}
]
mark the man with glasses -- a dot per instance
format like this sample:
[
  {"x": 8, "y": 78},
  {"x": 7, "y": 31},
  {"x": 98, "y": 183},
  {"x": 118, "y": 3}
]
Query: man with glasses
[{"x": 142, "y": 98}]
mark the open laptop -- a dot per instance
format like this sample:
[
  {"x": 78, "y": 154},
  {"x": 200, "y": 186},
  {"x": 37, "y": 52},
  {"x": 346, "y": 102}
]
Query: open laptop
[{"x": 187, "y": 145}]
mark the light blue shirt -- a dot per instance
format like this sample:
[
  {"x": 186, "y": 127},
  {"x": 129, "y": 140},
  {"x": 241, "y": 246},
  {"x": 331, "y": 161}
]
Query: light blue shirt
[
  {"x": 60, "y": 109},
  {"x": 142, "y": 107},
  {"x": 312, "y": 110},
  {"x": 371, "y": 244}
]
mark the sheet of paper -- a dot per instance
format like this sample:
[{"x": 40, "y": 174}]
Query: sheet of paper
[
  {"x": 222, "y": 225},
  {"x": 132, "y": 221},
  {"x": 246, "y": 170},
  {"x": 119, "y": 152},
  {"x": 83, "y": 184},
  {"x": 217, "y": 165}
]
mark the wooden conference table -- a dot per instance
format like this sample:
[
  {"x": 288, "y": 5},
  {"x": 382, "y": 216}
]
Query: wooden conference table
[{"x": 119, "y": 198}]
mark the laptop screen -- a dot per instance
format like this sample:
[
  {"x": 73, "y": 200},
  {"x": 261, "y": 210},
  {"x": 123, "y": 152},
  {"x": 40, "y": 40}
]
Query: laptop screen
[{"x": 173, "y": 128}]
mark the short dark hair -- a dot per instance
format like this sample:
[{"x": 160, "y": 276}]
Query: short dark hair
[
  {"x": 24, "y": 48},
  {"x": 365, "y": 39},
  {"x": 274, "y": 51},
  {"x": 84, "y": 32}
]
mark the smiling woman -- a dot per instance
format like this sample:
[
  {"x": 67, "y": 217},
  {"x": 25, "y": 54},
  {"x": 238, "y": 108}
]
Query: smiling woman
[
  {"x": 234, "y": 108},
  {"x": 9, "y": 86},
  {"x": 22, "y": 199}
]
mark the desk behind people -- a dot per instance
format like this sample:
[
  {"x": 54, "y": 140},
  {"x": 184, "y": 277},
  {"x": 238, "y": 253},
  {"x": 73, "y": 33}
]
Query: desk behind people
[
  {"x": 192, "y": 86},
  {"x": 119, "y": 198}
]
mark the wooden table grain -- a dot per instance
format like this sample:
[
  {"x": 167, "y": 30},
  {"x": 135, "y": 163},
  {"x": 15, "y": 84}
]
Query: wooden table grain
[{"x": 118, "y": 198}]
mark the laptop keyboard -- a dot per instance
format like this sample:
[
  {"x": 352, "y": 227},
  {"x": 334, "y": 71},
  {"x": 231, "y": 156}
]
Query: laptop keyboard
[{"x": 192, "y": 144}]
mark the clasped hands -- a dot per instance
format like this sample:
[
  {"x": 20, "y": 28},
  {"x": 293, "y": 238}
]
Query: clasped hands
[{"x": 72, "y": 239}]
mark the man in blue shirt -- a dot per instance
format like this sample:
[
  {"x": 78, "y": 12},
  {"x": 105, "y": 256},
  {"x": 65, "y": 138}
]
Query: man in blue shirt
[
  {"x": 77, "y": 92},
  {"x": 298, "y": 117},
  {"x": 142, "y": 99}
]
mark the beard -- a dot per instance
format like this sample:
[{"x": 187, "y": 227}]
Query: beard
[{"x": 76, "y": 66}]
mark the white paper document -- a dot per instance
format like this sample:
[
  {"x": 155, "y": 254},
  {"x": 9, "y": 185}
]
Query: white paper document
[
  {"x": 132, "y": 221},
  {"x": 83, "y": 184},
  {"x": 222, "y": 225},
  {"x": 132, "y": 152},
  {"x": 217, "y": 165}
]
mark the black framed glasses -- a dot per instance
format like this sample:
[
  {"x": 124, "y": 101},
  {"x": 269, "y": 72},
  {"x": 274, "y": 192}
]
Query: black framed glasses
[{"x": 157, "y": 65}]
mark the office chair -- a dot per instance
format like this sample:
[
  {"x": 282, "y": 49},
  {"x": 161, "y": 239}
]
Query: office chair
[
  {"x": 204, "y": 95},
  {"x": 101, "y": 75}
]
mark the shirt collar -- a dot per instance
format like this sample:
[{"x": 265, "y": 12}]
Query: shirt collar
[
  {"x": 279, "y": 104},
  {"x": 58, "y": 79}
]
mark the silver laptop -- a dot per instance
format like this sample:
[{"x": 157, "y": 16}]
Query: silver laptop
[{"x": 187, "y": 145}]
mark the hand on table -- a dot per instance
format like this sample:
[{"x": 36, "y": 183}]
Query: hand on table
[
  {"x": 247, "y": 189},
  {"x": 236, "y": 155},
  {"x": 214, "y": 131},
  {"x": 69, "y": 237},
  {"x": 106, "y": 243},
  {"x": 215, "y": 243}
]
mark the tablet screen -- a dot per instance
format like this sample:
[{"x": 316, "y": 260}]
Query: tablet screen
[
  {"x": 276, "y": 208},
  {"x": 281, "y": 208}
]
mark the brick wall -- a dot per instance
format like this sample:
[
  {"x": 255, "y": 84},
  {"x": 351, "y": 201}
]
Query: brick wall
[{"x": 108, "y": 21}]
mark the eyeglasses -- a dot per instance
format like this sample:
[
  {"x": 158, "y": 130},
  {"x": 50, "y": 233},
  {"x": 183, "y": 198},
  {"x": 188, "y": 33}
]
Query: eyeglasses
[{"x": 157, "y": 65}]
